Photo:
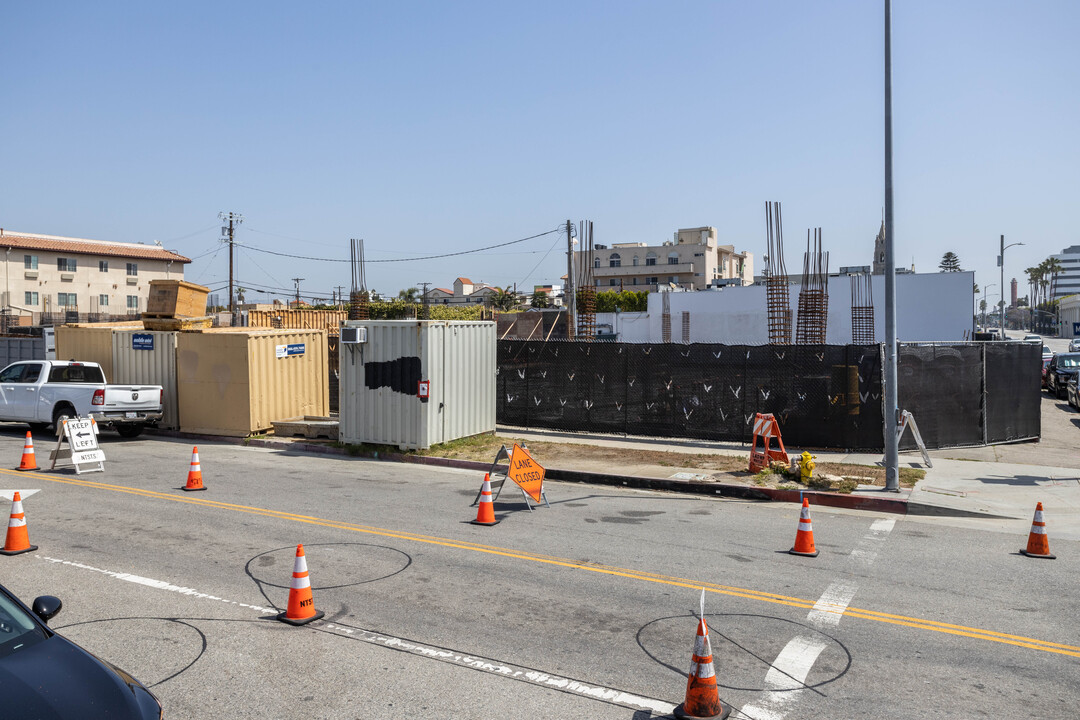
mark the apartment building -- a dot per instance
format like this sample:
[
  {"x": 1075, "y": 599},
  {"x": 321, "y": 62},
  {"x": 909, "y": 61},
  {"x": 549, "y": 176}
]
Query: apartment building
[
  {"x": 47, "y": 275},
  {"x": 692, "y": 260}
]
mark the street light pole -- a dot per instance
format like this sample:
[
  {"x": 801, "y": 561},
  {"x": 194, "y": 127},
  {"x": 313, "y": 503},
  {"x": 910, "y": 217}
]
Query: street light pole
[
  {"x": 892, "y": 442},
  {"x": 1001, "y": 287}
]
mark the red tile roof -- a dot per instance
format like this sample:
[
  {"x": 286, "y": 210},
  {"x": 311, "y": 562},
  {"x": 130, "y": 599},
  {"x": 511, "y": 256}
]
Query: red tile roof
[
  {"x": 467, "y": 281},
  {"x": 78, "y": 246}
]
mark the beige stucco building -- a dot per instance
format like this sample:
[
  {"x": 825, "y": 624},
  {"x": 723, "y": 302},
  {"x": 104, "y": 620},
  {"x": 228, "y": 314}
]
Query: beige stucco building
[
  {"x": 49, "y": 275},
  {"x": 692, "y": 260}
]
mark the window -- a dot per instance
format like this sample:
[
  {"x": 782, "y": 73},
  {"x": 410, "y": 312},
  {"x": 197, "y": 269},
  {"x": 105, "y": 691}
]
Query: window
[
  {"x": 612, "y": 282},
  {"x": 66, "y": 264},
  {"x": 103, "y": 300},
  {"x": 634, "y": 281},
  {"x": 76, "y": 374},
  {"x": 673, "y": 258},
  {"x": 673, "y": 279},
  {"x": 635, "y": 261},
  {"x": 33, "y": 372},
  {"x": 30, "y": 298},
  {"x": 30, "y": 262},
  {"x": 699, "y": 254},
  {"x": 133, "y": 268},
  {"x": 650, "y": 259},
  {"x": 133, "y": 302},
  {"x": 596, "y": 262},
  {"x": 650, "y": 280},
  {"x": 67, "y": 299},
  {"x": 103, "y": 266},
  {"x": 615, "y": 260},
  {"x": 12, "y": 374}
]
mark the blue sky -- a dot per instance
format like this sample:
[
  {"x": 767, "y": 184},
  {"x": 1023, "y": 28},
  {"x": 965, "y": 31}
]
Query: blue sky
[{"x": 429, "y": 128}]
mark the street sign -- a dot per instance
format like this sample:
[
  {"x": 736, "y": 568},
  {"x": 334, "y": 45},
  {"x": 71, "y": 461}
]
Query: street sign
[
  {"x": 526, "y": 472},
  {"x": 81, "y": 436}
]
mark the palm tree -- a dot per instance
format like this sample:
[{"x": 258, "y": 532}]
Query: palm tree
[
  {"x": 504, "y": 299},
  {"x": 409, "y": 295}
]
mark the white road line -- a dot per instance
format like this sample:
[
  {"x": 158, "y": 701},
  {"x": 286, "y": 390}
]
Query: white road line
[
  {"x": 156, "y": 584},
  {"x": 830, "y": 607},
  {"x": 785, "y": 681},
  {"x": 9, "y": 495},
  {"x": 494, "y": 667}
]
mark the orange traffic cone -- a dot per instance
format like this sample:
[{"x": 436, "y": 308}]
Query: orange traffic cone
[
  {"x": 194, "y": 476},
  {"x": 702, "y": 697},
  {"x": 1038, "y": 543},
  {"x": 301, "y": 608},
  {"x": 18, "y": 541},
  {"x": 804, "y": 538},
  {"x": 29, "y": 461},
  {"x": 485, "y": 513}
]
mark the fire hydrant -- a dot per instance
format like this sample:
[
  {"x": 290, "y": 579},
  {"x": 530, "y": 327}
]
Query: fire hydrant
[{"x": 806, "y": 466}]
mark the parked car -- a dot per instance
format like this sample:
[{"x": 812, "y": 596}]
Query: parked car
[
  {"x": 1073, "y": 392},
  {"x": 43, "y": 392},
  {"x": 1074, "y": 345},
  {"x": 1062, "y": 368},
  {"x": 45, "y": 675},
  {"x": 1033, "y": 338},
  {"x": 1046, "y": 364}
]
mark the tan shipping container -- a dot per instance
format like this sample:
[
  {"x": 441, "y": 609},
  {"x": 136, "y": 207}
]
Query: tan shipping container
[
  {"x": 86, "y": 343},
  {"x": 237, "y": 381}
]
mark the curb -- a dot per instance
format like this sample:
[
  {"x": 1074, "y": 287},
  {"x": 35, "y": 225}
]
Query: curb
[{"x": 898, "y": 505}]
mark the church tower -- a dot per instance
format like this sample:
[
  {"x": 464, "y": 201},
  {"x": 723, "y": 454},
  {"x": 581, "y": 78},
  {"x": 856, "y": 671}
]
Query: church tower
[{"x": 879, "y": 251}]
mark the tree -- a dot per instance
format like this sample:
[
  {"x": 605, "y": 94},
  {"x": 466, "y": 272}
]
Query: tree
[
  {"x": 949, "y": 262},
  {"x": 976, "y": 288},
  {"x": 539, "y": 300},
  {"x": 240, "y": 294},
  {"x": 504, "y": 299},
  {"x": 409, "y": 295}
]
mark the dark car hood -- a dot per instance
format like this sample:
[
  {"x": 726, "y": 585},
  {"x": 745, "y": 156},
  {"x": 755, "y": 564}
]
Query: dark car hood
[{"x": 57, "y": 680}]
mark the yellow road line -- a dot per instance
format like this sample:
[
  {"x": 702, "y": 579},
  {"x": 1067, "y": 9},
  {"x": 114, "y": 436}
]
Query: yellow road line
[{"x": 874, "y": 615}]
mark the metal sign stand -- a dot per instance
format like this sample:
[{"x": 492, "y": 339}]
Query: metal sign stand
[
  {"x": 503, "y": 473},
  {"x": 908, "y": 420},
  {"x": 81, "y": 435}
]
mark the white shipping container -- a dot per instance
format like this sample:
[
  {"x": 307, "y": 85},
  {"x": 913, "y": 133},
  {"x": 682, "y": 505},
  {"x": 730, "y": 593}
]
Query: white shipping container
[
  {"x": 382, "y": 377},
  {"x": 148, "y": 357}
]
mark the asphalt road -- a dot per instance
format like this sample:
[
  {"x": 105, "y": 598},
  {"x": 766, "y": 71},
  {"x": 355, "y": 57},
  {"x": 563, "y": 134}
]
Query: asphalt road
[{"x": 584, "y": 609}]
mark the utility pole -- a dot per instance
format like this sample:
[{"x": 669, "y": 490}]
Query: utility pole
[
  {"x": 297, "y": 281},
  {"x": 891, "y": 376},
  {"x": 425, "y": 302},
  {"x": 233, "y": 218},
  {"x": 568, "y": 289},
  {"x": 341, "y": 294}
]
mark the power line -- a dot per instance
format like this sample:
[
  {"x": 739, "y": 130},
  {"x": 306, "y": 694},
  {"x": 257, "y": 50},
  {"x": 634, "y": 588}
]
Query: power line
[{"x": 412, "y": 259}]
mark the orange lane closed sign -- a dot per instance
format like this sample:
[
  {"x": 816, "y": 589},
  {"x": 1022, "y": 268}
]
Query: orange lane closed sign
[{"x": 526, "y": 472}]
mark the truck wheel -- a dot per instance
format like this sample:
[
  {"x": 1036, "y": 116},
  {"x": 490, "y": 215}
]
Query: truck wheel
[
  {"x": 130, "y": 430},
  {"x": 62, "y": 413}
]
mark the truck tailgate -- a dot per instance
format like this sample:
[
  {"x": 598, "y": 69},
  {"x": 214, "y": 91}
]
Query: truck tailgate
[{"x": 132, "y": 397}]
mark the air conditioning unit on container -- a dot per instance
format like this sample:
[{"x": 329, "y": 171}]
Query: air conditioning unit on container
[{"x": 353, "y": 335}]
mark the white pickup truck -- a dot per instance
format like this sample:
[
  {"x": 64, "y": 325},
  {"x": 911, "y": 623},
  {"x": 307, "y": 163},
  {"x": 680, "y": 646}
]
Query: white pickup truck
[{"x": 42, "y": 392}]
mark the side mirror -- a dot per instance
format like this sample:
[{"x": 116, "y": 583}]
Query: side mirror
[{"x": 46, "y": 607}]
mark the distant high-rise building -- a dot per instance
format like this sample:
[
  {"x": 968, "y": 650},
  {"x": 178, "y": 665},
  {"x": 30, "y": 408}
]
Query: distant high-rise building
[{"x": 1068, "y": 281}]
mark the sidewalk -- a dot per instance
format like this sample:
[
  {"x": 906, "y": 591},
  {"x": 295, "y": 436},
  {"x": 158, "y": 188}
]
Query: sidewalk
[{"x": 971, "y": 492}]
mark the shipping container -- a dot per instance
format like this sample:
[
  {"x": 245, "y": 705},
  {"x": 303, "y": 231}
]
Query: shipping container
[
  {"x": 88, "y": 343},
  {"x": 386, "y": 372},
  {"x": 237, "y": 381},
  {"x": 148, "y": 358},
  {"x": 14, "y": 349},
  {"x": 298, "y": 318}
]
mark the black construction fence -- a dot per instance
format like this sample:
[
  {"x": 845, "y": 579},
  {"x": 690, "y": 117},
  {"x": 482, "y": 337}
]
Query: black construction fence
[{"x": 827, "y": 396}]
